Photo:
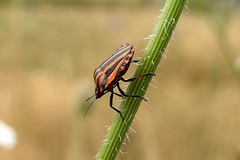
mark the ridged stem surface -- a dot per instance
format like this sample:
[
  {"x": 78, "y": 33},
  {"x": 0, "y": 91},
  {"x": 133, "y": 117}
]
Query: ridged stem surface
[{"x": 154, "y": 51}]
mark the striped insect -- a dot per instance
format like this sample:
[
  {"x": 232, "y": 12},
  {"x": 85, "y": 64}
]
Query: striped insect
[{"x": 110, "y": 72}]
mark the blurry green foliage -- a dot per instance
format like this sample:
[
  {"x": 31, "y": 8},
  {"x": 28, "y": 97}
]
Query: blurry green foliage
[
  {"x": 74, "y": 2},
  {"x": 202, "y": 5},
  {"x": 213, "y": 5}
]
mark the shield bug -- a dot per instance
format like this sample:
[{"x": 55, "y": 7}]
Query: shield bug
[{"x": 110, "y": 72}]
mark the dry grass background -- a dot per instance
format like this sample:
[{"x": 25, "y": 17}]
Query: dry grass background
[{"x": 47, "y": 57}]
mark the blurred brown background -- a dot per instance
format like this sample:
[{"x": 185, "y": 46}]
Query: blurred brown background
[{"x": 49, "y": 50}]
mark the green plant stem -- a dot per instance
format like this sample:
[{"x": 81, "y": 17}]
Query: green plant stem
[{"x": 155, "y": 49}]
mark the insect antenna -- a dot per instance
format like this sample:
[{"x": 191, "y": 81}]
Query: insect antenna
[
  {"x": 89, "y": 97},
  {"x": 89, "y": 105}
]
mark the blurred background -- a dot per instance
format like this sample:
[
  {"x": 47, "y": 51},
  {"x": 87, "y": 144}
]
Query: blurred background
[{"x": 50, "y": 48}]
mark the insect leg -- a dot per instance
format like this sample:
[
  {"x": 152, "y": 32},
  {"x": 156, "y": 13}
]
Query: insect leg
[
  {"x": 111, "y": 105},
  {"x": 119, "y": 95},
  {"x": 125, "y": 95},
  {"x": 133, "y": 78},
  {"x": 135, "y": 61}
]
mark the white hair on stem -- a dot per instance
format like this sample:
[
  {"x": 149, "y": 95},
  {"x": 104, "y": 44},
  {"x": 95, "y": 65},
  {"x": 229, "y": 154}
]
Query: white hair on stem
[
  {"x": 123, "y": 153},
  {"x": 188, "y": 10},
  {"x": 132, "y": 130}
]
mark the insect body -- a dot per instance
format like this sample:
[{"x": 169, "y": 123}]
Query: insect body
[{"x": 110, "y": 72}]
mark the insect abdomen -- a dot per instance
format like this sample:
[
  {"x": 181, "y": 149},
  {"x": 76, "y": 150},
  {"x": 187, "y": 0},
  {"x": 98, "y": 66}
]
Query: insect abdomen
[{"x": 114, "y": 67}]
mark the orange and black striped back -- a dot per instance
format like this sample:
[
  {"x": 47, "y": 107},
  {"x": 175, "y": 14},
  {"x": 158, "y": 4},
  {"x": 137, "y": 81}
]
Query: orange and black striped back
[{"x": 109, "y": 72}]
